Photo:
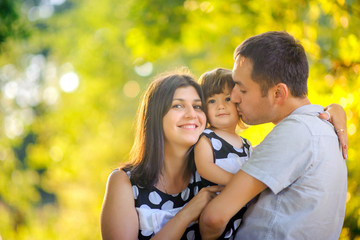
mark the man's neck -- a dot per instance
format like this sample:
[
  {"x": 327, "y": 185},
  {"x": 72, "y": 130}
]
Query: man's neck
[{"x": 291, "y": 105}]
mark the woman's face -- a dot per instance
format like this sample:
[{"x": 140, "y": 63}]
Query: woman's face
[{"x": 185, "y": 120}]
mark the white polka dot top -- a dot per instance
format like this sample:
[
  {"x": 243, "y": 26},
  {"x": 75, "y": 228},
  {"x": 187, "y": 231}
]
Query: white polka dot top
[
  {"x": 155, "y": 208},
  {"x": 230, "y": 159}
]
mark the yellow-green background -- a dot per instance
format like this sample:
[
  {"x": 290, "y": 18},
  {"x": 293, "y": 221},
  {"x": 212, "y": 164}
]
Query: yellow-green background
[{"x": 57, "y": 148}]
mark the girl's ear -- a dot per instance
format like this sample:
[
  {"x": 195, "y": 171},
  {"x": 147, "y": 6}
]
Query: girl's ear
[{"x": 281, "y": 93}]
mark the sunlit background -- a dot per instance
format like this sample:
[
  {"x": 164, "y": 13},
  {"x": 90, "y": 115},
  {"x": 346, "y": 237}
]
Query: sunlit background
[{"x": 72, "y": 72}]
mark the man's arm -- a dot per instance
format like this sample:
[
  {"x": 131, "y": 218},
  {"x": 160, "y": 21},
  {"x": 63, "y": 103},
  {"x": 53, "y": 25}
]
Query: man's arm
[{"x": 240, "y": 190}]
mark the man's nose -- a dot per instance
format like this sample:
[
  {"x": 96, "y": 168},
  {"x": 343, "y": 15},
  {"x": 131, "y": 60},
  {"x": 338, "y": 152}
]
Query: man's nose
[{"x": 235, "y": 95}]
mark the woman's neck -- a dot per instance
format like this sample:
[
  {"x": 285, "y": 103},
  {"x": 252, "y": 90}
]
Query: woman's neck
[
  {"x": 175, "y": 161},
  {"x": 174, "y": 177}
]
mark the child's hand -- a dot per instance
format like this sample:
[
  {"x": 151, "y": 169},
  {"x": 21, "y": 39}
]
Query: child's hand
[{"x": 200, "y": 200}]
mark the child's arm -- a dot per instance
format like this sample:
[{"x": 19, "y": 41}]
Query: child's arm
[{"x": 204, "y": 160}]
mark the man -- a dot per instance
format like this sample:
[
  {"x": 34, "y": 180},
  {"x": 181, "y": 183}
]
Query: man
[{"x": 297, "y": 171}]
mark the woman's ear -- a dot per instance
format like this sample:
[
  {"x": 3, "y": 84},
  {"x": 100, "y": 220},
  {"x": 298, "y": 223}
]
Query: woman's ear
[{"x": 281, "y": 92}]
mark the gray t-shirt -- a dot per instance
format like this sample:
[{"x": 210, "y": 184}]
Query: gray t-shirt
[{"x": 301, "y": 163}]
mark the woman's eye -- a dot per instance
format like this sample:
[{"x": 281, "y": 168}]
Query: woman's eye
[
  {"x": 242, "y": 91},
  {"x": 177, "y": 106}
]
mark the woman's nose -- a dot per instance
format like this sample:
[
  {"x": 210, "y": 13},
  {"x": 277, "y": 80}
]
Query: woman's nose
[{"x": 190, "y": 112}]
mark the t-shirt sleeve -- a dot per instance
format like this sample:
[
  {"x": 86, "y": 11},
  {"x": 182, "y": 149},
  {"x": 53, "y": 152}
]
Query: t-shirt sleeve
[{"x": 283, "y": 156}]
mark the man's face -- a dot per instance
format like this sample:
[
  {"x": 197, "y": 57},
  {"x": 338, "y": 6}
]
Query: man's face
[{"x": 252, "y": 107}]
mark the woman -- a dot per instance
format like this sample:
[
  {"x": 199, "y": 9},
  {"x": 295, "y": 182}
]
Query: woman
[{"x": 161, "y": 174}]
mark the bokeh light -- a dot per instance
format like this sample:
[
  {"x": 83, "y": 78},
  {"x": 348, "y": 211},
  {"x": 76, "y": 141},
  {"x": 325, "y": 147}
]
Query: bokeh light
[
  {"x": 69, "y": 82},
  {"x": 131, "y": 89},
  {"x": 144, "y": 69},
  {"x": 13, "y": 126},
  {"x": 50, "y": 95}
]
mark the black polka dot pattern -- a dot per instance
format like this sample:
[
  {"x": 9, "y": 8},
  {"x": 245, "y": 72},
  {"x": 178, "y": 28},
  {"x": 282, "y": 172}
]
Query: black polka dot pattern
[
  {"x": 230, "y": 159},
  {"x": 155, "y": 208}
]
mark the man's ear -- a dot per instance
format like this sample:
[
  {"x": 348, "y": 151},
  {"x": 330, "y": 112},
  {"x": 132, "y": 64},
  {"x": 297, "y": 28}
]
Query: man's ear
[{"x": 281, "y": 92}]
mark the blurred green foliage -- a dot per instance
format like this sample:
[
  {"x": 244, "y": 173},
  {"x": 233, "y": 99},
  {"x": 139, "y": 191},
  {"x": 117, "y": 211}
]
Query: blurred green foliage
[
  {"x": 12, "y": 23},
  {"x": 69, "y": 91}
]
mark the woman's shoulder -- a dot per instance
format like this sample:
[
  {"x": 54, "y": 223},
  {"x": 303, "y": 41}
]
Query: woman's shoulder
[{"x": 118, "y": 178}]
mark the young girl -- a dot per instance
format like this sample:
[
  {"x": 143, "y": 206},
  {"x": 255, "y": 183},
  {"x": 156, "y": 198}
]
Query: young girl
[{"x": 220, "y": 151}]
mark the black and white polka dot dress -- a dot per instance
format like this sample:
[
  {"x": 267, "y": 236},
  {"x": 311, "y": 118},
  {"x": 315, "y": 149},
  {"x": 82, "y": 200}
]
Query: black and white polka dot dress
[
  {"x": 155, "y": 208},
  {"x": 226, "y": 155},
  {"x": 230, "y": 159}
]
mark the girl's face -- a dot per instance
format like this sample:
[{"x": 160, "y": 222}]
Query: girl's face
[
  {"x": 185, "y": 120},
  {"x": 221, "y": 111}
]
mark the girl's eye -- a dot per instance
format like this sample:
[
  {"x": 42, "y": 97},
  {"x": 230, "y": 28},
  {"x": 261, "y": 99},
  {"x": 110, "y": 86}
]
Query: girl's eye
[
  {"x": 227, "y": 99},
  {"x": 243, "y": 91},
  {"x": 211, "y": 101}
]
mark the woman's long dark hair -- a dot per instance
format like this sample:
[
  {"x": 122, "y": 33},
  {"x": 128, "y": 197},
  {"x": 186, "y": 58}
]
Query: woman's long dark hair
[{"x": 147, "y": 153}]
